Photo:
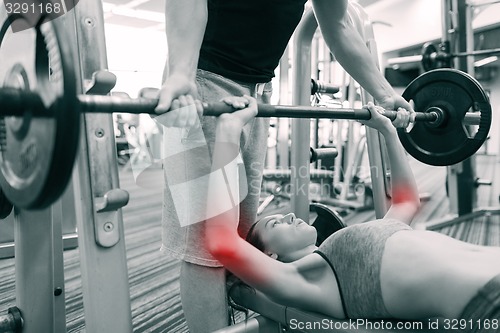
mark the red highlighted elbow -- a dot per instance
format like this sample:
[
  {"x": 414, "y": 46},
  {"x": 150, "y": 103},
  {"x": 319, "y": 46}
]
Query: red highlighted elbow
[
  {"x": 221, "y": 242},
  {"x": 405, "y": 194}
]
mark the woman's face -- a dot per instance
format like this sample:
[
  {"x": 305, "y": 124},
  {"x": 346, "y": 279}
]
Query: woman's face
[{"x": 284, "y": 234}]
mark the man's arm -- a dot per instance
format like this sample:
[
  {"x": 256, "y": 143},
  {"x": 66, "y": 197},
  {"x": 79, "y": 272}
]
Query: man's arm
[
  {"x": 186, "y": 21},
  {"x": 350, "y": 50}
]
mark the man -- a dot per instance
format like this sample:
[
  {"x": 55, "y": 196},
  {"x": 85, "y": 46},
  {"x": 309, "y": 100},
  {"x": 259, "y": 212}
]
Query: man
[{"x": 219, "y": 48}]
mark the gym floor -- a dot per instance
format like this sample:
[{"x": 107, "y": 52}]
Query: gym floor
[{"x": 153, "y": 277}]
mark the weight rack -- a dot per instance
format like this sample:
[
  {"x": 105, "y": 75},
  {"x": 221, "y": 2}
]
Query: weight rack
[
  {"x": 300, "y": 137},
  {"x": 40, "y": 294}
]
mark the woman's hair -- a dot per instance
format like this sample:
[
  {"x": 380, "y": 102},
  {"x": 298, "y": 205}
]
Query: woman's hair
[{"x": 255, "y": 239}]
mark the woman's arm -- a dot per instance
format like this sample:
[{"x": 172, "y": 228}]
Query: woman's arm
[
  {"x": 279, "y": 281},
  {"x": 405, "y": 196}
]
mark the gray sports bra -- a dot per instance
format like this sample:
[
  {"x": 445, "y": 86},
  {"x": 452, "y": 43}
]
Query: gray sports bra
[{"x": 355, "y": 256}]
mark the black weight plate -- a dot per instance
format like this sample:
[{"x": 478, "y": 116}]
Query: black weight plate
[
  {"x": 456, "y": 93},
  {"x": 37, "y": 159},
  {"x": 5, "y": 206},
  {"x": 428, "y": 63},
  {"x": 326, "y": 223}
]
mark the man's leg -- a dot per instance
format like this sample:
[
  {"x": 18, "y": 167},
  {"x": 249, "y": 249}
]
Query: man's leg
[
  {"x": 203, "y": 296},
  {"x": 203, "y": 289}
]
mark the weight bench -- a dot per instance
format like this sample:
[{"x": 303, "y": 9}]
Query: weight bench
[{"x": 274, "y": 317}]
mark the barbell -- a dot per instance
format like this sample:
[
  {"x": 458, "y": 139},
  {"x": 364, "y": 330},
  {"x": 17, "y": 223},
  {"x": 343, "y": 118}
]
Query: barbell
[
  {"x": 41, "y": 113},
  {"x": 432, "y": 57}
]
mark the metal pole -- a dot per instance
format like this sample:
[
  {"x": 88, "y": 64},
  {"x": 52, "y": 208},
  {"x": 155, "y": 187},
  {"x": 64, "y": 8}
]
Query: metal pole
[
  {"x": 301, "y": 78},
  {"x": 451, "y": 171},
  {"x": 469, "y": 38},
  {"x": 376, "y": 149},
  {"x": 467, "y": 192},
  {"x": 40, "y": 271},
  {"x": 284, "y": 123},
  {"x": 446, "y": 20}
]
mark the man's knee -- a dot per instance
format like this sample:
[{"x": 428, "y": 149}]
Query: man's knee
[{"x": 203, "y": 276}]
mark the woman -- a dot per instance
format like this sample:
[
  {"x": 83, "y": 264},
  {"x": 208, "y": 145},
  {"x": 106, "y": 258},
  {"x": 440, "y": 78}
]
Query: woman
[{"x": 378, "y": 269}]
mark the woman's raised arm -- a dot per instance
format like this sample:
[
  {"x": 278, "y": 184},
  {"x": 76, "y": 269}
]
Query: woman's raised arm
[
  {"x": 405, "y": 197},
  {"x": 279, "y": 281}
]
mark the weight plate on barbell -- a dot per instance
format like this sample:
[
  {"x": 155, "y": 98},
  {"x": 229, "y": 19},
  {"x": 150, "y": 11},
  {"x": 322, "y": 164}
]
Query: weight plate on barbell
[
  {"x": 5, "y": 206},
  {"x": 37, "y": 153},
  {"x": 428, "y": 63},
  {"x": 451, "y": 142}
]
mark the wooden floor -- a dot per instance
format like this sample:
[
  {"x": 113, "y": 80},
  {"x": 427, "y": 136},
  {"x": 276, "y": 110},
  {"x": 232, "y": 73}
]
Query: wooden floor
[{"x": 154, "y": 284}]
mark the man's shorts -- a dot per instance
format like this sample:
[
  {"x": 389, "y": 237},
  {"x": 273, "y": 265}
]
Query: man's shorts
[{"x": 188, "y": 242}]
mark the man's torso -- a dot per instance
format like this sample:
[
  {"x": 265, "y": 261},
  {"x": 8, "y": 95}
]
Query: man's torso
[{"x": 245, "y": 39}]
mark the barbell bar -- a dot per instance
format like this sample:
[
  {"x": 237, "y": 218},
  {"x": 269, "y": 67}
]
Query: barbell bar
[
  {"x": 443, "y": 56},
  {"x": 323, "y": 87},
  {"x": 16, "y": 102},
  {"x": 431, "y": 57}
]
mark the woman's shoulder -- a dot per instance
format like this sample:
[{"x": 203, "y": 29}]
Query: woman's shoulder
[
  {"x": 384, "y": 223},
  {"x": 367, "y": 230}
]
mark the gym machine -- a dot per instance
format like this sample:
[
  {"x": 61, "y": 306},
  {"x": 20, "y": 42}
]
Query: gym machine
[
  {"x": 40, "y": 293},
  {"x": 457, "y": 50}
]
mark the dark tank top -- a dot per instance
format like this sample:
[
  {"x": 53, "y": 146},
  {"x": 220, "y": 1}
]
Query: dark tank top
[{"x": 245, "y": 39}]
